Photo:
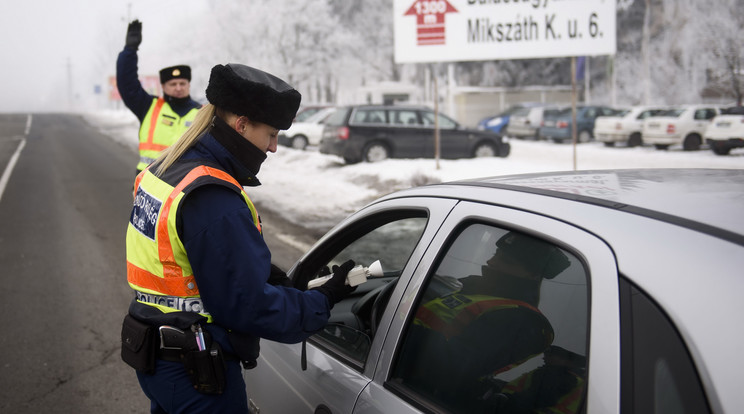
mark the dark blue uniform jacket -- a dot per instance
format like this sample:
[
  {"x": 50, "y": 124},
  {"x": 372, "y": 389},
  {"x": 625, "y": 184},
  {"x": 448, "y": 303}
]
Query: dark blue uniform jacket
[
  {"x": 230, "y": 259},
  {"x": 135, "y": 97}
]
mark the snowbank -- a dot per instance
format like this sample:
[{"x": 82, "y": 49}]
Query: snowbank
[{"x": 317, "y": 191}]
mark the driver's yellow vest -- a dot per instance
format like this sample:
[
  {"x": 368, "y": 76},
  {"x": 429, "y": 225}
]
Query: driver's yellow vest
[
  {"x": 160, "y": 129},
  {"x": 451, "y": 314},
  {"x": 158, "y": 268}
]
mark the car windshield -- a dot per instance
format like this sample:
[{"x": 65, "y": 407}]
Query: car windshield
[
  {"x": 734, "y": 110},
  {"x": 318, "y": 116},
  {"x": 522, "y": 112},
  {"x": 338, "y": 117},
  {"x": 306, "y": 113},
  {"x": 552, "y": 113}
]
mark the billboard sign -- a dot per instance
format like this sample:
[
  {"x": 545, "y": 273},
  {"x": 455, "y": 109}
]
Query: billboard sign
[{"x": 471, "y": 30}]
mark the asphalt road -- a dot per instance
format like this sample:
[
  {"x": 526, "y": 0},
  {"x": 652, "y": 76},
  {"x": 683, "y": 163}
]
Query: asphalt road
[{"x": 63, "y": 216}]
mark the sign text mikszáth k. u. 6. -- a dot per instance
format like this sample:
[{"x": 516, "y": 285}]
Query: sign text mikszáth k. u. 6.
[{"x": 468, "y": 30}]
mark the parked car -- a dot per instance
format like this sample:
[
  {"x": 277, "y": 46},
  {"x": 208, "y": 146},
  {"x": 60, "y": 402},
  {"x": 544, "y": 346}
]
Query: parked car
[
  {"x": 307, "y": 132},
  {"x": 556, "y": 125},
  {"x": 726, "y": 131},
  {"x": 377, "y": 132},
  {"x": 498, "y": 123},
  {"x": 588, "y": 292},
  {"x": 625, "y": 126},
  {"x": 525, "y": 123},
  {"x": 684, "y": 126}
]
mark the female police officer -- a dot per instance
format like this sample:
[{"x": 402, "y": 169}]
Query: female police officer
[{"x": 197, "y": 260}]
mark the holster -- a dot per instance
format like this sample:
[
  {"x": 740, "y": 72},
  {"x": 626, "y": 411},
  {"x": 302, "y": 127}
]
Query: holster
[
  {"x": 206, "y": 369},
  {"x": 138, "y": 345}
]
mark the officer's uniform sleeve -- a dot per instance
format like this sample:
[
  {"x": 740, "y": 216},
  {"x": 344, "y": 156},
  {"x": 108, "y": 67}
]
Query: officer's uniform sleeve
[
  {"x": 231, "y": 265},
  {"x": 135, "y": 97}
]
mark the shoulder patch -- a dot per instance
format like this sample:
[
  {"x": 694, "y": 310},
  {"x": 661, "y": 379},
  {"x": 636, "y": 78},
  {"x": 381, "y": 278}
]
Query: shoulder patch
[{"x": 145, "y": 213}]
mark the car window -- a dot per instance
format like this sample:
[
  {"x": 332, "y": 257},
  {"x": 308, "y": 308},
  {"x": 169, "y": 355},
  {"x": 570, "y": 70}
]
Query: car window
[
  {"x": 368, "y": 116},
  {"x": 522, "y": 112},
  {"x": 444, "y": 122},
  {"x": 353, "y": 321},
  {"x": 674, "y": 113},
  {"x": 701, "y": 114},
  {"x": 500, "y": 326},
  {"x": 647, "y": 113},
  {"x": 404, "y": 117},
  {"x": 657, "y": 372}
]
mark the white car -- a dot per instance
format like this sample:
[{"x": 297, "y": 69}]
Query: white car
[
  {"x": 603, "y": 291},
  {"x": 625, "y": 127},
  {"x": 726, "y": 131},
  {"x": 684, "y": 125},
  {"x": 525, "y": 122},
  {"x": 307, "y": 132}
]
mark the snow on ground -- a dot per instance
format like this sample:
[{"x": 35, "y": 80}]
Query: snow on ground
[{"x": 317, "y": 190}]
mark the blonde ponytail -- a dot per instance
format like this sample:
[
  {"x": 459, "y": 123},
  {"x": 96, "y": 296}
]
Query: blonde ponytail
[{"x": 200, "y": 125}]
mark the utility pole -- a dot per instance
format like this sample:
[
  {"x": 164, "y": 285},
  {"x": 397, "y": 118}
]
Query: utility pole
[{"x": 69, "y": 85}]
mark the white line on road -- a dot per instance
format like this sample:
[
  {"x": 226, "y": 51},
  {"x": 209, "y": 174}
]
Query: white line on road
[
  {"x": 28, "y": 125},
  {"x": 9, "y": 168},
  {"x": 287, "y": 239}
]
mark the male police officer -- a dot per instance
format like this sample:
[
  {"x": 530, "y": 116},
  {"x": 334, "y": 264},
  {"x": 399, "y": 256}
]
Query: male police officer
[{"x": 163, "y": 120}]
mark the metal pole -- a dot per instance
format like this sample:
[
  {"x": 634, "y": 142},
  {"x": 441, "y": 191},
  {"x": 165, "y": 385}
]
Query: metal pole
[
  {"x": 436, "y": 119},
  {"x": 573, "y": 108}
]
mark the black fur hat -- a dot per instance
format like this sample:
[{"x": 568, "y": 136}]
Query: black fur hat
[
  {"x": 249, "y": 92},
  {"x": 175, "y": 72}
]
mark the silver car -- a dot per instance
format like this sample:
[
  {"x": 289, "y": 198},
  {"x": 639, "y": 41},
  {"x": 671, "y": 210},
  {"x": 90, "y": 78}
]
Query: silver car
[{"x": 572, "y": 292}]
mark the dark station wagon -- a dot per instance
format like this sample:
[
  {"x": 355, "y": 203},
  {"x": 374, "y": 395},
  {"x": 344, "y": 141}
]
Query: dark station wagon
[{"x": 376, "y": 132}]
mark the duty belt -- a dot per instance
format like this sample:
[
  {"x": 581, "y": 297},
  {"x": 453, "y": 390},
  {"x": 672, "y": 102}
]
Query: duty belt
[{"x": 174, "y": 302}]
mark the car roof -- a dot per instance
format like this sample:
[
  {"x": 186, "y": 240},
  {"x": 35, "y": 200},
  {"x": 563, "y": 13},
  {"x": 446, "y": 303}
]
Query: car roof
[{"x": 708, "y": 200}]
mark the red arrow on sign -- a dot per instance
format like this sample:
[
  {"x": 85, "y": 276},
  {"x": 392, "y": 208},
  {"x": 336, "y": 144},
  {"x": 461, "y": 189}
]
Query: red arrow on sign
[{"x": 430, "y": 20}]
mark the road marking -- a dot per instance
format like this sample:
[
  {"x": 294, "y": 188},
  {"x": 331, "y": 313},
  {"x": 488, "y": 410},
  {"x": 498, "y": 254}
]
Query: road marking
[
  {"x": 287, "y": 239},
  {"x": 28, "y": 125},
  {"x": 11, "y": 164}
]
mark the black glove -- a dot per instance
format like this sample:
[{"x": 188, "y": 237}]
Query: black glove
[
  {"x": 278, "y": 277},
  {"x": 336, "y": 288},
  {"x": 134, "y": 35}
]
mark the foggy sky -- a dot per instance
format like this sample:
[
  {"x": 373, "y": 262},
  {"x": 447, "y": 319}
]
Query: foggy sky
[{"x": 54, "y": 52}]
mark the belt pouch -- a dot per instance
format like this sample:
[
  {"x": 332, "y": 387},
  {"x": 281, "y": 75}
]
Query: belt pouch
[
  {"x": 138, "y": 345},
  {"x": 206, "y": 369}
]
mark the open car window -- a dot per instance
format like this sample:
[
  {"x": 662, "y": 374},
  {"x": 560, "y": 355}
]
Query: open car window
[{"x": 353, "y": 322}]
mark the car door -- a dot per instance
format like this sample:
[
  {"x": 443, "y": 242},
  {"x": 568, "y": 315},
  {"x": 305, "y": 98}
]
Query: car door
[
  {"x": 420, "y": 371},
  {"x": 341, "y": 358},
  {"x": 702, "y": 118},
  {"x": 454, "y": 142},
  {"x": 410, "y": 138}
]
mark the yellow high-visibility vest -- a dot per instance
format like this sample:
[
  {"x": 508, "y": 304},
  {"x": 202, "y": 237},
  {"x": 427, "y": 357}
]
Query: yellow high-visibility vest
[
  {"x": 157, "y": 264},
  {"x": 160, "y": 129}
]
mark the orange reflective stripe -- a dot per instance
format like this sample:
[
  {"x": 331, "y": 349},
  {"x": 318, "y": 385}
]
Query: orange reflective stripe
[
  {"x": 564, "y": 404},
  {"x": 147, "y": 280},
  {"x": 154, "y": 119},
  {"x": 165, "y": 249},
  {"x": 137, "y": 181},
  {"x": 146, "y": 146}
]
